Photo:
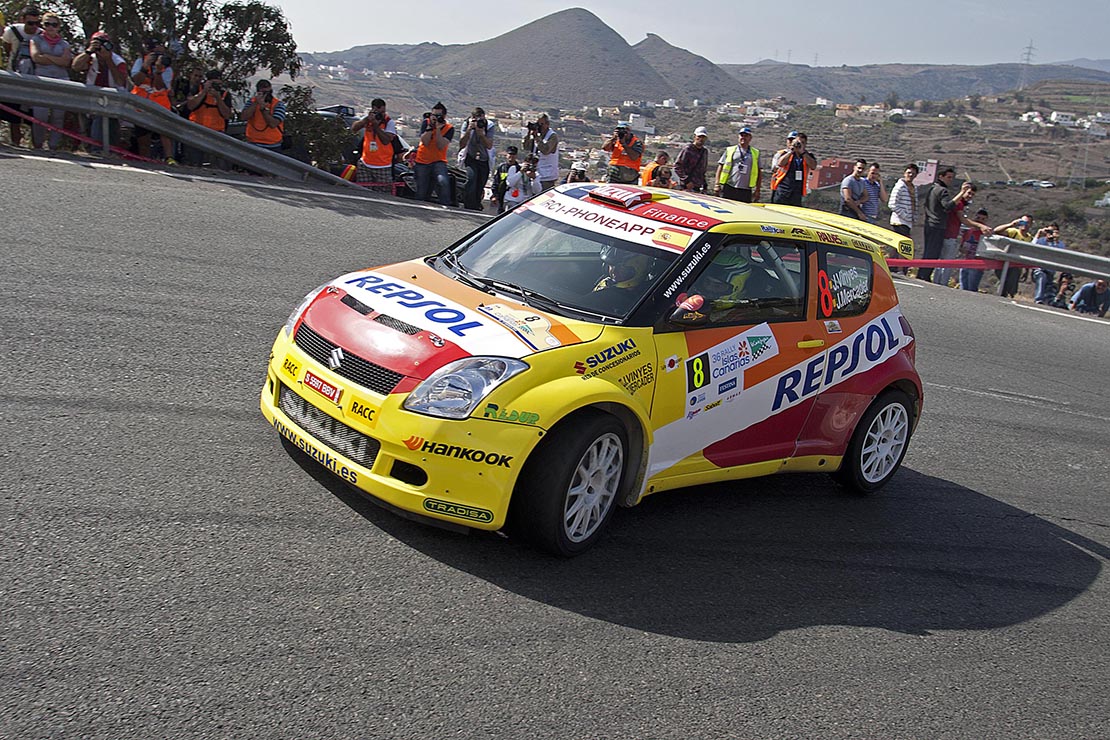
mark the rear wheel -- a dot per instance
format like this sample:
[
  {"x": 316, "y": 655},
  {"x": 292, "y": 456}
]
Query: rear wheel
[
  {"x": 568, "y": 488},
  {"x": 878, "y": 444}
]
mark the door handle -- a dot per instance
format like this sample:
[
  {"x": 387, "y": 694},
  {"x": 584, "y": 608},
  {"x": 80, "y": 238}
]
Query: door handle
[{"x": 811, "y": 343}]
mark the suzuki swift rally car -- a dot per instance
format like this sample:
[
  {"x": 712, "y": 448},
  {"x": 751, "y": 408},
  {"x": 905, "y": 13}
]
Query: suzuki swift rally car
[{"x": 598, "y": 344}]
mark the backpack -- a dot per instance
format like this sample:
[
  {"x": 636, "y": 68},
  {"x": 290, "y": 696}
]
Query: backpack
[{"x": 21, "y": 61}]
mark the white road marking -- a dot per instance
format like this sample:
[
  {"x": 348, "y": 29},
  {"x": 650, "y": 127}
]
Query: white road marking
[
  {"x": 911, "y": 283},
  {"x": 1018, "y": 398},
  {"x": 1104, "y": 322}
]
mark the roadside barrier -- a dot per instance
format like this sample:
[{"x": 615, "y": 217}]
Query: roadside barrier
[{"x": 111, "y": 103}]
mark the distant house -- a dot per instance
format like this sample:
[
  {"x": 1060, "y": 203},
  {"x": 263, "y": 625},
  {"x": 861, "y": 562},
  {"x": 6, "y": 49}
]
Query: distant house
[
  {"x": 823, "y": 103},
  {"x": 669, "y": 103},
  {"x": 1062, "y": 119},
  {"x": 830, "y": 172}
]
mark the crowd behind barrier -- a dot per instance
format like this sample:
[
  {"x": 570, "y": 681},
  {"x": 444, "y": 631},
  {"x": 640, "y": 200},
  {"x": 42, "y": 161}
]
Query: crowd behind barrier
[{"x": 953, "y": 233}]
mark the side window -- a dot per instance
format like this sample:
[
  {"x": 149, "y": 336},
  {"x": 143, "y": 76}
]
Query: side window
[
  {"x": 750, "y": 282},
  {"x": 843, "y": 283}
]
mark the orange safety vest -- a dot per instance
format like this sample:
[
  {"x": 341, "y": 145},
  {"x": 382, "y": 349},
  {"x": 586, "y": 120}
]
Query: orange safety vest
[
  {"x": 430, "y": 153},
  {"x": 208, "y": 115},
  {"x": 161, "y": 97},
  {"x": 259, "y": 132},
  {"x": 649, "y": 173},
  {"x": 781, "y": 172},
  {"x": 375, "y": 152},
  {"x": 620, "y": 159}
]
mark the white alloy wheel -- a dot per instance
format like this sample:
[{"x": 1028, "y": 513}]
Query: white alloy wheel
[
  {"x": 593, "y": 487},
  {"x": 884, "y": 442}
]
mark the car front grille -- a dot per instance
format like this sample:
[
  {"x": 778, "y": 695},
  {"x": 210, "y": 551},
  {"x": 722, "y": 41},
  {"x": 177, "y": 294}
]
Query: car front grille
[
  {"x": 353, "y": 368},
  {"x": 348, "y": 442}
]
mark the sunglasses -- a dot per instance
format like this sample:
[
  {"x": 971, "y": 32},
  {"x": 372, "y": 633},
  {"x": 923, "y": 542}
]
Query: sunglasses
[{"x": 51, "y": 24}]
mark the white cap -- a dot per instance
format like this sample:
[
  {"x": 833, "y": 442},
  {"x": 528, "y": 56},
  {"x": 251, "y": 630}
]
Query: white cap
[
  {"x": 701, "y": 131},
  {"x": 580, "y": 166}
]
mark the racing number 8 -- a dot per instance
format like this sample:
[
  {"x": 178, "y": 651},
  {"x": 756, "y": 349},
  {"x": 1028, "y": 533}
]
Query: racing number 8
[
  {"x": 696, "y": 372},
  {"x": 826, "y": 296}
]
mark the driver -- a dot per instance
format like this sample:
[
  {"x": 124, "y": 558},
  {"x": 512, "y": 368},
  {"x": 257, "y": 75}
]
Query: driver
[
  {"x": 723, "y": 282},
  {"x": 623, "y": 269}
]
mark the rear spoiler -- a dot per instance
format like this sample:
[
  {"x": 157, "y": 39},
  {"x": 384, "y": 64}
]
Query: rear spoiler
[{"x": 902, "y": 245}]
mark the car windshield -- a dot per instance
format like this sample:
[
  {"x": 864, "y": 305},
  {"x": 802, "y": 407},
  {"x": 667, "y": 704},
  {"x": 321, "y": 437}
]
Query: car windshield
[{"x": 559, "y": 268}]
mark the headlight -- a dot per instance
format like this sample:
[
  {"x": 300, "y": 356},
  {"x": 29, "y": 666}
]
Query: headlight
[
  {"x": 456, "y": 389},
  {"x": 289, "y": 322}
]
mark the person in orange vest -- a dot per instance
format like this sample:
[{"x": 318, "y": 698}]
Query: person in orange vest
[
  {"x": 265, "y": 117},
  {"x": 375, "y": 166},
  {"x": 661, "y": 159},
  {"x": 626, "y": 152},
  {"x": 209, "y": 106},
  {"x": 431, "y": 156},
  {"x": 790, "y": 168},
  {"x": 150, "y": 84}
]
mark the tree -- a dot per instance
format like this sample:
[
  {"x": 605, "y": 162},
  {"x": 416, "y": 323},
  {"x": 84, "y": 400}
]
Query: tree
[
  {"x": 973, "y": 100},
  {"x": 320, "y": 140},
  {"x": 892, "y": 99},
  {"x": 239, "y": 37}
]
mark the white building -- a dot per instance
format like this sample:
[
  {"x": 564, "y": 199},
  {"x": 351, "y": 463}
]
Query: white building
[
  {"x": 669, "y": 103},
  {"x": 1062, "y": 119}
]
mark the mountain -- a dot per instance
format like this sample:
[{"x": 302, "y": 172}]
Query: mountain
[
  {"x": 1102, "y": 65},
  {"x": 693, "y": 76},
  {"x": 873, "y": 83}
]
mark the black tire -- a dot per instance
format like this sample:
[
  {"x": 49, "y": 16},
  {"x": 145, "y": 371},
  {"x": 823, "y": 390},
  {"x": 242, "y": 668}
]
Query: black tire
[
  {"x": 552, "y": 483},
  {"x": 879, "y": 443}
]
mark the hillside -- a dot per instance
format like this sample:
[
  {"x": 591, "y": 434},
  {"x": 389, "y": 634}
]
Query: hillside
[{"x": 695, "y": 76}]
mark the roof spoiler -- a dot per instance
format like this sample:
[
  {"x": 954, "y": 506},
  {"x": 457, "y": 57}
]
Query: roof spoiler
[{"x": 885, "y": 237}]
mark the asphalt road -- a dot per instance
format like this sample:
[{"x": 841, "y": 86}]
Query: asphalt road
[{"x": 169, "y": 569}]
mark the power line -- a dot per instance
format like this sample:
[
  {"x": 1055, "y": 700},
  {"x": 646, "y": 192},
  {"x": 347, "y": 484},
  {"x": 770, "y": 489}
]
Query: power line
[{"x": 1026, "y": 60}]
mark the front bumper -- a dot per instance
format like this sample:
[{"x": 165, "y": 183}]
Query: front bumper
[{"x": 455, "y": 471}]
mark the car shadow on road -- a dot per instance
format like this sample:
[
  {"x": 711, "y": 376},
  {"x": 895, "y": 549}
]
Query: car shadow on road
[{"x": 743, "y": 561}]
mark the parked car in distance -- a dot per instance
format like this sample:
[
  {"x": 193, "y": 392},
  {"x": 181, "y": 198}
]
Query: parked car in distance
[
  {"x": 1046, "y": 184},
  {"x": 344, "y": 112}
]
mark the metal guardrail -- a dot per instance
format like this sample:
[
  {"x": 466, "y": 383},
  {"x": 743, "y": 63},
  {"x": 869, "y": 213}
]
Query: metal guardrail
[
  {"x": 1008, "y": 250},
  {"x": 112, "y": 103}
]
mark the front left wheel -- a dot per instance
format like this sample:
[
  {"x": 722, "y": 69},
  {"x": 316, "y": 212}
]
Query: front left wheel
[{"x": 569, "y": 486}]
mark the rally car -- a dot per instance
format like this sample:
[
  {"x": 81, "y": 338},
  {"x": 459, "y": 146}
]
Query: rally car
[{"x": 598, "y": 344}]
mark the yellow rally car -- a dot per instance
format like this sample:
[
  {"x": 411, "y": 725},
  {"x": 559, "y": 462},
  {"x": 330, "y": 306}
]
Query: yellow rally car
[{"x": 598, "y": 344}]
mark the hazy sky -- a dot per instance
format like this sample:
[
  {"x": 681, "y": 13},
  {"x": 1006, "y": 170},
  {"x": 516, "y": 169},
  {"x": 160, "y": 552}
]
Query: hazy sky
[{"x": 737, "y": 32}]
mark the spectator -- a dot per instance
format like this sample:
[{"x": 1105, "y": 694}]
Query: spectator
[
  {"x": 501, "y": 176},
  {"x": 903, "y": 202},
  {"x": 185, "y": 87},
  {"x": 1044, "y": 278},
  {"x": 938, "y": 202},
  {"x": 379, "y": 131},
  {"x": 102, "y": 67},
  {"x": 689, "y": 167},
  {"x": 1018, "y": 229},
  {"x": 265, "y": 117},
  {"x": 154, "y": 47},
  {"x": 663, "y": 179},
  {"x": 853, "y": 192},
  {"x": 876, "y": 193},
  {"x": 647, "y": 175},
  {"x": 1092, "y": 298},
  {"x": 52, "y": 57},
  {"x": 209, "y": 106},
  {"x": 150, "y": 84},
  {"x": 790, "y": 168},
  {"x": 431, "y": 156},
  {"x": 476, "y": 141},
  {"x": 969, "y": 250},
  {"x": 1063, "y": 291},
  {"x": 522, "y": 183},
  {"x": 626, "y": 153},
  {"x": 950, "y": 247},
  {"x": 738, "y": 176},
  {"x": 579, "y": 172},
  {"x": 543, "y": 142},
  {"x": 17, "y": 50}
]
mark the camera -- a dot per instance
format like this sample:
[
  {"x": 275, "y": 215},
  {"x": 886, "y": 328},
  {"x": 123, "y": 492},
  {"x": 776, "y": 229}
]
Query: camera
[
  {"x": 378, "y": 115},
  {"x": 106, "y": 45},
  {"x": 533, "y": 126},
  {"x": 481, "y": 124}
]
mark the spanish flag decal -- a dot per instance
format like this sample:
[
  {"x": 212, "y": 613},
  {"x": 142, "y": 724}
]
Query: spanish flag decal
[{"x": 668, "y": 236}]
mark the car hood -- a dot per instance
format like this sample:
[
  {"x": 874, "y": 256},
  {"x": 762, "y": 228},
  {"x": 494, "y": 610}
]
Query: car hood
[{"x": 413, "y": 320}]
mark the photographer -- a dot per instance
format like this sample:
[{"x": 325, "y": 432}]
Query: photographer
[
  {"x": 102, "y": 67},
  {"x": 543, "y": 142},
  {"x": 1043, "y": 278},
  {"x": 375, "y": 166},
  {"x": 522, "y": 183},
  {"x": 626, "y": 153},
  {"x": 210, "y": 106},
  {"x": 578, "y": 172},
  {"x": 476, "y": 142},
  {"x": 431, "y": 156},
  {"x": 265, "y": 117},
  {"x": 790, "y": 168}
]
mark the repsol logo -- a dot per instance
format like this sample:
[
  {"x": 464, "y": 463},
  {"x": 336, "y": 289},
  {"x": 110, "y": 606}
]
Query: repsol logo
[
  {"x": 494, "y": 459},
  {"x": 439, "y": 313},
  {"x": 866, "y": 349}
]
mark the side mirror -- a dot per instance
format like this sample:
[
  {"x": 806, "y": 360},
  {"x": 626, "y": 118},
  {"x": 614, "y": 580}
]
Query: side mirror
[{"x": 688, "y": 312}]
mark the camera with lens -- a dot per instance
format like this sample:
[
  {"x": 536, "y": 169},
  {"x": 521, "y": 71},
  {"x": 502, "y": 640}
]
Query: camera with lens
[
  {"x": 378, "y": 115},
  {"x": 481, "y": 124},
  {"x": 106, "y": 45},
  {"x": 533, "y": 126}
]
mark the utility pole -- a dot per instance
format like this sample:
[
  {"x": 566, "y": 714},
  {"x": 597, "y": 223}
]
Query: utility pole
[
  {"x": 814, "y": 59},
  {"x": 1026, "y": 60},
  {"x": 788, "y": 55}
]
